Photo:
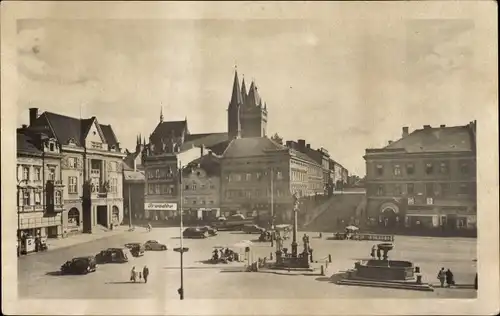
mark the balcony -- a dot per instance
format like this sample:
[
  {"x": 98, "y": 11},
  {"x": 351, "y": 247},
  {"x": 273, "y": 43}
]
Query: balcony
[
  {"x": 95, "y": 172},
  {"x": 58, "y": 183}
]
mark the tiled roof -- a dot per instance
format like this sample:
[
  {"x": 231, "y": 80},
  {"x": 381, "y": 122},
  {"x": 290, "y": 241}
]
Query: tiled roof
[
  {"x": 165, "y": 129},
  {"x": 303, "y": 156},
  {"x": 208, "y": 140},
  {"x": 26, "y": 144},
  {"x": 64, "y": 128},
  {"x": 209, "y": 163},
  {"x": 251, "y": 147},
  {"x": 441, "y": 139}
]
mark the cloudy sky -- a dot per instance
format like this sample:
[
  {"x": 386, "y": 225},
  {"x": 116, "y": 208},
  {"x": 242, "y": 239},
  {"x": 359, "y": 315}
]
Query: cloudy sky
[{"x": 346, "y": 83}]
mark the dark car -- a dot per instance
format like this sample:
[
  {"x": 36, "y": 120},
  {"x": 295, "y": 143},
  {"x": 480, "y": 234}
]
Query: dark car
[
  {"x": 113, "y": 255},
  {"x": 136, "y": 249},
  {"x": 211, "y": 231},
  {"x": 253, "y": 229},
  {"x": 194, "y": 232},
  {"x": 79, "y": 265}
]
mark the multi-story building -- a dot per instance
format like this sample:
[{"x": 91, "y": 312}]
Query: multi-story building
[
  {"x": 39, "y": 185},
  {"x": 425, "y": 179},
  {"x": 320, "y": 156},
  {"x": 91, "y": 152},
  {"x": 255, "y": 171}
]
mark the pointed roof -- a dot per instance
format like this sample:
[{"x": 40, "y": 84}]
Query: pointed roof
[
  {"x": 164, "y": 130},
  {"x": 253, "y": 95},
  {"x": 243, "y": 89},
  {"x": 251, "y": 147},
  {"x": 236, "y": 95}
]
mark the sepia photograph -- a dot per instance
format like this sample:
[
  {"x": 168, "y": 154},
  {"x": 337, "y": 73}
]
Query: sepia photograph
[{"x": 242, "y": 158}]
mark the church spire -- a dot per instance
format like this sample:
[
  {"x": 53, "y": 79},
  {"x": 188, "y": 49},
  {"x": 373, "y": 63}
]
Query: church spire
[
  {"x": 236, "y": 95},
  {"x": 243, "y": 89},
  {"x": 161, "y": 114}
]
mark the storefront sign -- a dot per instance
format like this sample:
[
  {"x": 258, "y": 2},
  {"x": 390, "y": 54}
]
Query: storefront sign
[{"x": 160, "y": 206}]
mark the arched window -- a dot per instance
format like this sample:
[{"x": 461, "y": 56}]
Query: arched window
[
  {"x": 73, "y": 217},
  {"x": 115, "y": 215}
]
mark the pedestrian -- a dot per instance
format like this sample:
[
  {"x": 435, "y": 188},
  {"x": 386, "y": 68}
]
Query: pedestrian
[
  {"x": 449, "y": 278},
  {"x": 140, "y": 276},
  {"x": 145, "y": 273},
  {"x": 133, "y": 274},
  {"x": 441, "y": 276},
  {"x": 374, "y": 251},
  {"x": 379, "y": 254},
  {"x": 475, "y": 282}
]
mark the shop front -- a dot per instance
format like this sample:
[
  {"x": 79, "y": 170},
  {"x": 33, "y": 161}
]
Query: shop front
[{"x": 160, "y": 211}]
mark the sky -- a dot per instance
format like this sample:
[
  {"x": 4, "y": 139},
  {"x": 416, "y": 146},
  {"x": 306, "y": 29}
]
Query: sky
[{"x": 345, "y": 84}]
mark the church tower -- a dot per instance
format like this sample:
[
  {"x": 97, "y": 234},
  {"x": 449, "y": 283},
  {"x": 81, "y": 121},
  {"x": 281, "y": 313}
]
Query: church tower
[
  {"x": 247, "y": 114},
  {"x": 233, "y": 110}
]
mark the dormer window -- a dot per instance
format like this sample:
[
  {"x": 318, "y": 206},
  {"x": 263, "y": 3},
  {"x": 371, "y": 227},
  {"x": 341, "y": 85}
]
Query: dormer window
[
  {"x": 51, "y": 146},
  {"x": 71, "y": 141}
]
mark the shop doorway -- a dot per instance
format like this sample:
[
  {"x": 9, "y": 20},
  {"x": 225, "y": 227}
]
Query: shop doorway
[{"x": 102, "y": 215}]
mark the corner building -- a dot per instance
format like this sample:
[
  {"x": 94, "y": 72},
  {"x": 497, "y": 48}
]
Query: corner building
[{"x": 425, "y": 180}]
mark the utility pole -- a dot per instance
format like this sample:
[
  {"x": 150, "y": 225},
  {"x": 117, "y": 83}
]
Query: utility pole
[
  {"x": 129, "y": 207},
  {"x": 181, "y": 250}
]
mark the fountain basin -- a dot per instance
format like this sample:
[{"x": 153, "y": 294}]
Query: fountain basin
[{"x": 390, "y": 270}]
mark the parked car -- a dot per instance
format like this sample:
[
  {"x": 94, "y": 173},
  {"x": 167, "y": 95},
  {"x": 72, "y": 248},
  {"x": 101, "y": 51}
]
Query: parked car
[
  {"x": 195, "y": 232},
  {"x": 79, "y": 265},
  {"x": 154, "y": 245},
  {"x": 136, "y": 249},
  {"x": 253, "y": 229},
  {"x": 211, "y": 231},
  {"x": 113, "y": 255}
]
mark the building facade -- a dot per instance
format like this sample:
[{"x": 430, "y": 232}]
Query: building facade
[
  {"x": 90, "y": 152},
  {"x": 39, "y": 185},
  {"x": 427, "y": 179},
  {"x": 259, "y": 177},
  {"x": 134, "y": 183}
]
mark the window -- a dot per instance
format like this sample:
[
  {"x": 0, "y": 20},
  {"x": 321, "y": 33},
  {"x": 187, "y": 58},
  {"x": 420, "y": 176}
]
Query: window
[
  {"x": 443, "y": 168},
  {"x": 194, "y": 201},
  {"x": 410, "y": 188},
  {"x": 429, "y": 189},
  {"x": 157, "y": 173},
  {"x": 380, "y": 170},
  {"x": 51, "y": 146},
  {"x": 237, "y": 177},
  {"x": 429, "y": 168},
  {"x": 464, "y": 167},
  {"x": 38, "y": 198},
  {"x": 380, "y": 190},
  {"x": 194, "y": 186},
  {"x": 26, "y": 197},
  {"x": 114, "y": 185},
  {"x": 464, "y": 188},
  {"x": 52, "y": 173},
  {"x": 397, "y": 170},
  {"x": 26, "y": 173},
  {"x": 171, "y": 189},
  {"x": 157, "y": 188},
  {"x": 57, "y": 200},
  {"x": 164, "y": 189},
  {"x": 186, "y": 187},
  {"x": 72, "y": 185},
  {"x": 258, "y": 175},
  {"x": 278, "y": 192},
  {"x": 38, "y": 173},
  {"x": 151, "y": 188},
  {"x": 444, "y": 188},
  {"x": 397, "y": 189},
  {"x": 95, "y": 185},
  {"x": 72, "y": 162},
  {"x": 410, "y": 169},
  {"x": 248, "y": 177}
]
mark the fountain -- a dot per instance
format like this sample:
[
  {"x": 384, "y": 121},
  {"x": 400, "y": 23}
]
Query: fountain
[{"x": 386, "y": 273}]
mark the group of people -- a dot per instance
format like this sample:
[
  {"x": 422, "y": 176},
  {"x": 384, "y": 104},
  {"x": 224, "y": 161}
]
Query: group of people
[
  {"x": 137, "y": 276},
  {"x": 446, "y": 276},
  {"x": 225, "y": 255}
]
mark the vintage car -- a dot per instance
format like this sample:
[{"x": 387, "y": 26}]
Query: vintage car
[
  {"x": 194, "y": 232},
  {"x": 136, "y": 248},
  {"x": 154, "y": 245},
  {"x": 79, "y": 265},
  {"x": 253, "y": 229},
  {"x": 113, "y": 255},
  {"x": 211, "y": 231}
]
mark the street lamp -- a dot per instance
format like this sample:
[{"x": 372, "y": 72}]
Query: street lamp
[{"x": 181, "y": 249}]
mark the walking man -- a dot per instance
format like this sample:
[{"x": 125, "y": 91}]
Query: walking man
[{"x": 145, "y": 273}]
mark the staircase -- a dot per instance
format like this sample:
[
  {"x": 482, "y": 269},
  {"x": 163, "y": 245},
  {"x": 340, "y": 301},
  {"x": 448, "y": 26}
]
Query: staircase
[{"x": 341, "y": 205}]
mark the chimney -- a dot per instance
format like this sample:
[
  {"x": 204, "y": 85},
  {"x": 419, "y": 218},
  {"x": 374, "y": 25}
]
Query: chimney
[
  {"x": 308, "y": 146},
  {"x": 33, "y": 115},
  {"x": 24, "y": 126},
  {"x": 427, "y": 126},
  {"x": 389, "y": 142},
  {"x": 202, "y": 150},
  {"x": 135, "y": 164},
  {"x": 442, "y": 126},
  {"x": 405, "y": 131},
  {"x": 302, "y": 144}
]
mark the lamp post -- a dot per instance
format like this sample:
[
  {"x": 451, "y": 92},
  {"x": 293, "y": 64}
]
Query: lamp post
[
  {"x": 181, "y": 249},
  {"x": 272, "y": 206}
]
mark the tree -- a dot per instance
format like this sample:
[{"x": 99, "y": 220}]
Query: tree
[{"x": 276, "y": 138}]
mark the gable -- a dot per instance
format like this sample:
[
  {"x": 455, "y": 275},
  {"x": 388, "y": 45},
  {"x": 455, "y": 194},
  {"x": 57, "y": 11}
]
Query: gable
[{"x": 94, "y": 138}]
